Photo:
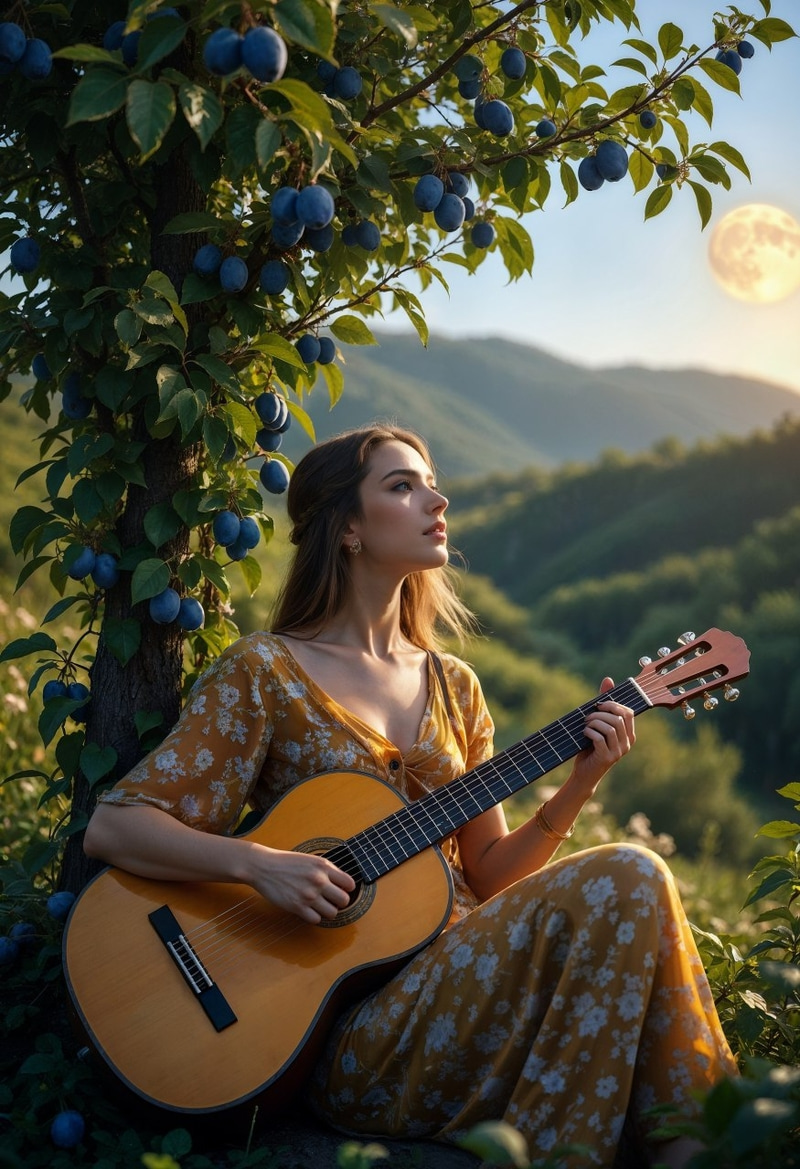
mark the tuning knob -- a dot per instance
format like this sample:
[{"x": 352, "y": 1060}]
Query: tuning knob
[
  {"x": 664, "y": 652},
  {"x": 645, "y": 661},
  {"x": 686, "y": 638},
  {"x": 730, "y": 693},
  {"x": 710, "y": 702},
  {"x": 688, "y": 711}
]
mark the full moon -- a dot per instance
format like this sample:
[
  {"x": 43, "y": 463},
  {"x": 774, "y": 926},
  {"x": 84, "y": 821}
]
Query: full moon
[{"x": 754, "y": 253}]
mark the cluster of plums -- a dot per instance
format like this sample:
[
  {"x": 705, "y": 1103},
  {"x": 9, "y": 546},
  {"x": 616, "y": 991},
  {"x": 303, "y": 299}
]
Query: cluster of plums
[
  {"x": 260, "y": 51},
  {"x": 30, "y": 56},
  {"x": 733, "y": 57},
  {"x": 274, "y": 416},
  {"x": 452, "y": 207}
]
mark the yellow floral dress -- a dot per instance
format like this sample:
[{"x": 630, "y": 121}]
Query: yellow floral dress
[{"x": 557, "y": 1005}]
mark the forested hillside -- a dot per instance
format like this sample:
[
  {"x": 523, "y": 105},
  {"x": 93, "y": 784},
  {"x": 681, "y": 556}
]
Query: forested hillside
[
  {"x": 611, "y": 561},
  {"x": 488, "y": 404}
]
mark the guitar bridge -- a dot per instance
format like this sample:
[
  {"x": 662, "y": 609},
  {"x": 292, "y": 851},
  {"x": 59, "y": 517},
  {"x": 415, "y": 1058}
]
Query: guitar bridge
[{"x": 194, "y": 973}]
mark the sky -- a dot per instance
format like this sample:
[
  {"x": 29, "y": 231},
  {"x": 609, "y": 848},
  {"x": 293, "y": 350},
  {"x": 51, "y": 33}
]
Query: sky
[{"x": 609, "y": 288}]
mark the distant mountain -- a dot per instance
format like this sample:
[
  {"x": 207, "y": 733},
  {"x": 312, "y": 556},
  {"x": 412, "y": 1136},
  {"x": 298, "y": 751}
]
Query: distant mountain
[{"x": 489, "y": 405}]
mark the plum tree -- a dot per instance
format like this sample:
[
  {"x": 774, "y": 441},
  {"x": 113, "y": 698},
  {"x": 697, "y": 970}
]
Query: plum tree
[{"x": 155, "y": 138}]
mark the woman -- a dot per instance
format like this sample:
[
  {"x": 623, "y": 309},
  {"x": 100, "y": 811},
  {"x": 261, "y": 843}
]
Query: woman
[{"x": 559, "y": 997}]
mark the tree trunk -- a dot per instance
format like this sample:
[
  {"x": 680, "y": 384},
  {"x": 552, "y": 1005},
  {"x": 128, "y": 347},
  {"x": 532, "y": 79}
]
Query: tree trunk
[{"x": 151, "y": 680}]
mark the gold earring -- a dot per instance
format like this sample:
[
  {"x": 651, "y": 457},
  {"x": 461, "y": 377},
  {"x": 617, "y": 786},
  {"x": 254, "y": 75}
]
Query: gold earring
[{"x": 355, "y": 547}]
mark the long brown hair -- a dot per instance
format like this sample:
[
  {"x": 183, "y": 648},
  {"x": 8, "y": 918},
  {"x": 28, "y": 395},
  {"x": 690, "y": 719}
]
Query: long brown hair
[{"x": 323, "y": 498}]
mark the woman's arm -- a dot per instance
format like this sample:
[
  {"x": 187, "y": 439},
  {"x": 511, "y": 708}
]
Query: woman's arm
[
  {"x": 493, "y": 858},
  {"x": 151, "y": 843}
]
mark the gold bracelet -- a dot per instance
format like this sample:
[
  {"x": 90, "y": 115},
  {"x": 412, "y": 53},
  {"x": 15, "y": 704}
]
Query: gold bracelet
[{"x": 540, "y": 816}]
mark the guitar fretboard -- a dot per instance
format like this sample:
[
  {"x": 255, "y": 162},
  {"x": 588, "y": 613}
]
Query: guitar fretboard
[{"x": 405, "y": 833}]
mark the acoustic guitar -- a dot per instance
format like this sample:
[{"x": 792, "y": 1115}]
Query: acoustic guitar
[{"x": 201, "y": 996}]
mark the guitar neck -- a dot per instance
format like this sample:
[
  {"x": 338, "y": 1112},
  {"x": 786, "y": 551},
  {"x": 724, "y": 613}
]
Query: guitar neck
[{"x": 385, "y": 845}]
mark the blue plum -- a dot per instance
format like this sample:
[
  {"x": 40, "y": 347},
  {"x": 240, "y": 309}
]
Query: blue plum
[
  {"x": 25, "y": 255},
  {"x": 612, "y": 160},
  {"x": 207, "y": 260},
  {"x": 428, "y": 192},
  {"x": 589, "y": 176},
  {"x": 226, "y": 526},
  {"x": 513, "y": 63},
  {"x": 308, "y": 347},
  {"x": 36, "y": 62},
  {"x": 67, "y": 1129},
  {"x": 347, "y": 83},
  {"x": 315, "y": 206},
  {"x": 482, "y": 235},
  {"x": 164, "y": 606},
  {"x": 233, "y": 274},
  {"x": 275, "y": 276},
  {"x": 497, "y": 118},
  {"x": 264, "y": 54},
  {"x": 449, "y": 215},
  {"x": 191, "y": 614},
  {"x": 222, "y": 53},
  {"x": 274, "y": 476}
]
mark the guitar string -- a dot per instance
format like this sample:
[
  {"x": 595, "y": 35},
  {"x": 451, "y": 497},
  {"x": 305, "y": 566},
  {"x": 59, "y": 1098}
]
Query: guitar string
[{"x": 342, "y": 855}]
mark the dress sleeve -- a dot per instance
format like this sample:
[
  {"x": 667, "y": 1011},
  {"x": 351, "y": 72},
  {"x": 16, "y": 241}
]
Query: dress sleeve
[
  {"x": 475, "y": 726},
  {"x": 205, "y": 769}
]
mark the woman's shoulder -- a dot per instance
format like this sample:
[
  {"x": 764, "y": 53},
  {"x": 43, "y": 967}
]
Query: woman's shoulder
[
  {"x": 459, "y": 673},
  {"x": 254, "y": 652}
]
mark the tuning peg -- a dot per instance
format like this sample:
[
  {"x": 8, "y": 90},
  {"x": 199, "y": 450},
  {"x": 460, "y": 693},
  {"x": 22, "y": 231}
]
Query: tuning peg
[
  {"x": 664, "y": 652},
  {"x": 688, "y": 711},
  {"x": 709, "y": 701},
  {"x": 645, "y": 661},
  {"x": 730, "y": 693},
  {"x": 686, "y": 638}
]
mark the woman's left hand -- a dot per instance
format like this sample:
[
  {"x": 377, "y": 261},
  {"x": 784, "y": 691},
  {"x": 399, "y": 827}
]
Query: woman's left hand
[{"x": 611, "y": 733}]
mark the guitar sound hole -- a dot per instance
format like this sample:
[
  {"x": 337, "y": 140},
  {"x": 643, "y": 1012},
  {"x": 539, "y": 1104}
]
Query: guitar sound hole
[{"x": 364, "y": 893}]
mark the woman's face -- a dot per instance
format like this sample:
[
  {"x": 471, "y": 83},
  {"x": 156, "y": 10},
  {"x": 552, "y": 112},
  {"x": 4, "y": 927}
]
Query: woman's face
[{"x": 402, "y": 524}]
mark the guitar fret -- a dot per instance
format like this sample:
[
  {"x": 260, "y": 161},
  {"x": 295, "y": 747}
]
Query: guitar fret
[{"x": 428, "y": 820}]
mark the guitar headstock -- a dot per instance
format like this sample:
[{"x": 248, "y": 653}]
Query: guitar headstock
[{"x": 713, "y": 660}]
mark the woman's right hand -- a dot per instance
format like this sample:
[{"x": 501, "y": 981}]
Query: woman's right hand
[{"x": 302, "y": 883}]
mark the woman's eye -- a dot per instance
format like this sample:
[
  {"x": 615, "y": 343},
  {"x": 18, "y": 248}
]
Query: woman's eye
[{"x": 403, "y": 483}]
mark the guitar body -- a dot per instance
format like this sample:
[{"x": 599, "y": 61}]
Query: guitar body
[{"x": 278, "y": 983}]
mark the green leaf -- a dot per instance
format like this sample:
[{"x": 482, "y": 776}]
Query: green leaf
[
  {"x": 150, "y": 577},
  {"x": 413, "y": 310},
  {"x": 721, "y": 73},
  {"x": 159, "y": 38},
  {"x": 22, "y": 646},
  {"x": 396, "y": 21},
  {"x": 150, "y": 111},
  {"x": 191, "y": 221},
  {"x": 702, "y": 101},
  {"x": 771, "y": 30},
  {"x": 670, "y": 40},
  {"x": 731, "y": 155},
  {"x": 268, "y": 140},
  {"x": 703, "y": 197},
  {"x": 643, "y": 47},
  {"x": 307, "y": 24},
  {"x": 497, "y": 1142},
  {"x": 632, "y": 63},
  {"x": 658, "y": 200},
  {"x": 86, "y": 53},
  {"x": 251, "y": 572},
  {"x": 352, "y": 331},
  {"x": 147, "y": 720},
  {"x": 97, "y": 762},
  {"x": 203, "y": 111},
  {"x": 240, "y": 137},
  {"x": 99, "y": 94},
  {"x": 218, "y": 370},
  {"x": 779, "y": 829},
  {"x": 128, "y": 327},
  {"x": 781, "y": 878},
  {"x": 641, "y": 170},
  {"x": 24, "y": 523},
  {"x": 161, "y": 523},
  {"x": 273, "y": 345}
]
